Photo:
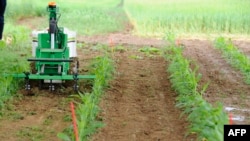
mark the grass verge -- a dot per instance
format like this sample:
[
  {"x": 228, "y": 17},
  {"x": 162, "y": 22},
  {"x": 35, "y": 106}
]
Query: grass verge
[{"x": 14, "y": 52}]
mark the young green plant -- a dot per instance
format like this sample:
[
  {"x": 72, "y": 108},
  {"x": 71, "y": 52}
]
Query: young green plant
[
  {"x": 205, "y": 120},
  {"x": 234, "y": 56},
  {"x": 87, "y": 109}
]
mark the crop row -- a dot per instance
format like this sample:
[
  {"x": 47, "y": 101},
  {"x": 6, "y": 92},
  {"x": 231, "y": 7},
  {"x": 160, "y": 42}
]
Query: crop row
[
  {"x": 205, "y": 120},
  {"x": 87, "y": 109},
  {"x": 234, "y": 56}
]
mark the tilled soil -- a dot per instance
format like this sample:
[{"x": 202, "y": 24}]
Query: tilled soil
[
  {"x": 226, "y": 84},
  {"x": 36, "y": 118},
  {"x": 40, "y": 115},
  {"x": 140, "y": 104},
  {"x": 123, "y": 38}
]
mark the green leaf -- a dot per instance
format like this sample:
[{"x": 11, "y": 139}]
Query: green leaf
[
  {"x": 63, "y": 137},
  {"x": 2, "y": 44}
]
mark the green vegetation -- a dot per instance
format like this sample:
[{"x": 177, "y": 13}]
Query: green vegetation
[
  {"x": 32, "y": 133},
  {"x": 150, "y": 51},
  {"x": 87, "y": 108},
  {"x": 156, "y": 18},
  {"x": 206, "y": 121},
  {"x": 24, "y": 8},
  {"x": 234, "y": 56},
  {"x": 92, "y": 21},
  {"x": 149, "y": 18},
  {"x": 85, "y": 17},
  {"x": 14, "y": 53}
]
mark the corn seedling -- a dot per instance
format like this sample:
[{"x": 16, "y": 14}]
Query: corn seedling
[
  {"x": 205, "y": 120},
  {"x": 234, "y": 57},
  {"x": 87, "y": 108}
]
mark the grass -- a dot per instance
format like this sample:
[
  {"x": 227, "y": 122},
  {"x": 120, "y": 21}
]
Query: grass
[
  {"x": 150, "y": 51},
  {"x": 188, "y": 17},
  {"x": 85, "y": 17},
  {"x": 14, "y": 52},
  {"x": 91, "y": 21},
  {"x": 234, "y": 56},
  {"x": 149, "y": 18},
  {"x": 205, "y": 120},
  {"x": 24, "y": 8},
  {"x": 32, "y": 133}
]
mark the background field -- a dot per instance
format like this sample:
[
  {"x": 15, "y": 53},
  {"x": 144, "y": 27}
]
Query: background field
[
  {"x": 149, "y": 18},
  {"x": 158, "y": 17}
]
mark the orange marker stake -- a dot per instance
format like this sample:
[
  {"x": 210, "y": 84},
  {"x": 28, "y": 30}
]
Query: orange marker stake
[
  {"x": 111, "y": 45},
  {"x": 177, "y": 42},
  {"x": 74, "y": 120},
  {"x": 230, "y": 119}
]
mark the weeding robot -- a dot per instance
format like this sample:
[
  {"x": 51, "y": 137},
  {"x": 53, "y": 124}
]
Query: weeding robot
[{"x": 54, "y": 52}]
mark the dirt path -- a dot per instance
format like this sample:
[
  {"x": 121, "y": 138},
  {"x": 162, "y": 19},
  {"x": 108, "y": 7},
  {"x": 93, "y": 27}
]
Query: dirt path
[
  {"x": 140, "y": 104},
  {"x": 226, "y": 84}
]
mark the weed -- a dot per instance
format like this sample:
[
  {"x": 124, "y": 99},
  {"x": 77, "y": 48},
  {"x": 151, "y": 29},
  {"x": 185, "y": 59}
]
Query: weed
[
  {"x": 48, "y": 120},
  {"x": 120, "y": 49},
  {"x": 67, "y": 118},
  {"x": 32, "y": 133},
  {"x": 136, "y": 57},
  {"x": 31, "y": 113},
  {"x": 16, "y": 116},
  {"x": 150, "y": 51}
]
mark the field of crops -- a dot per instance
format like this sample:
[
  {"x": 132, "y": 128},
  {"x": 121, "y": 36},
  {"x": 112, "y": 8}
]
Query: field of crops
[{"x": 165, "y": 70}]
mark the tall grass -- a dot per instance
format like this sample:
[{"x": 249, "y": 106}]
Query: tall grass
[
  {"x": 85, "y": 17},
  {"x": 234, "y": 56},
  {"x": 14, "y": 51},
  {"x": 93, "y": 20},
  {"x": 155, "y": 18},
  {"x": 206, "y": 121},
  {"x": 24, "y": 8}
]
